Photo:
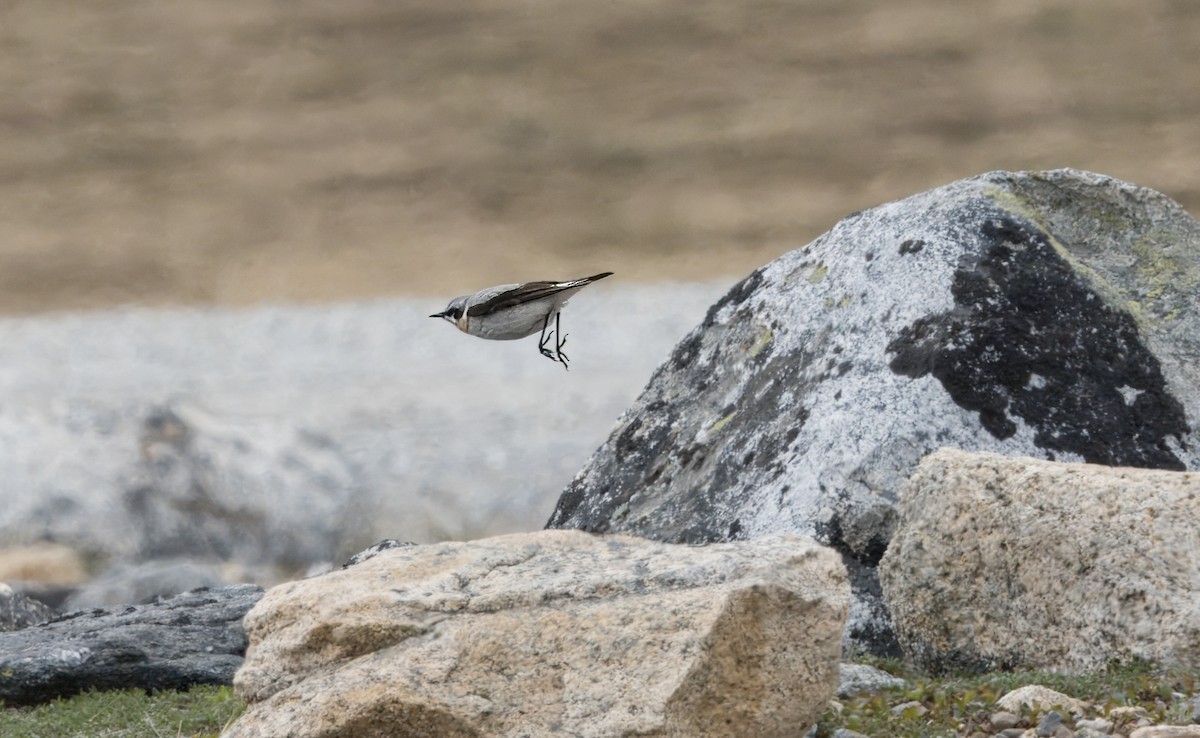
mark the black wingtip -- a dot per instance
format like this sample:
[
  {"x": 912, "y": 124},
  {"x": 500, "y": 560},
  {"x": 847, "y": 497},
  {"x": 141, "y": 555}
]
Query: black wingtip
[{"x": 594, "y": 277}]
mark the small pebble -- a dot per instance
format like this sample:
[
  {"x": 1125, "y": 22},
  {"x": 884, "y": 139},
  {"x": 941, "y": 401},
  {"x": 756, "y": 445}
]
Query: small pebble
[
  {"x": 1011, "y": 733},
  {"x": 1126, "y": 712},
  {"x": 921, "y": 710},
  {"x": 847, "y": 733},
  {"x": 1049, "y": 723},
  {"x": 1099, "y": 725},
  {"x": 1002, "y": 720}
]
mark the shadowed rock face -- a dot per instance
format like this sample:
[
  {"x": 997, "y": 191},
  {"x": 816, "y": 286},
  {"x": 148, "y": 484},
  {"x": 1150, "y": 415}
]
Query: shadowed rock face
[{"x": 1051, "y": 314}]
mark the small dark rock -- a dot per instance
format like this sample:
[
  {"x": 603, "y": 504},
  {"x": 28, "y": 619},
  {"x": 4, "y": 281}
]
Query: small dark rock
[
  {"x": 861, "y": 678},
  {"x": 193, "y": 638},
  {"x": 373, "y": 551},
  {"x": 1049, "y": 724}
]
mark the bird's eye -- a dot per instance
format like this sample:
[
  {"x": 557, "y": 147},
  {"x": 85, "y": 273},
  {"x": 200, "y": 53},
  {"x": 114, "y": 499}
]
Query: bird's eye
[{"x": 456, "y": 313}]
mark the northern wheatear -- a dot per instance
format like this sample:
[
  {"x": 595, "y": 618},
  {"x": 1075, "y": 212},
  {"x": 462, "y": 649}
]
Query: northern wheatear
[{"x": 513, "y": 311}]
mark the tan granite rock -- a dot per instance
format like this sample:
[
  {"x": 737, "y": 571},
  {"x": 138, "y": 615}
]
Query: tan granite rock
[
  {"x": 1015, "y": 562},
  {"x": 551, "y": 633}
]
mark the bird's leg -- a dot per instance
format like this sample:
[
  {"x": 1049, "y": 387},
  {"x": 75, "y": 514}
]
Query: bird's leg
[
  {"x": 559, "y": 341},
  {"x": 544, "y": 339}
]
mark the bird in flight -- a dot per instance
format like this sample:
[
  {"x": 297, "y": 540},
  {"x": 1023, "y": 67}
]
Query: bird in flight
[{"x": 512, "y": 311}]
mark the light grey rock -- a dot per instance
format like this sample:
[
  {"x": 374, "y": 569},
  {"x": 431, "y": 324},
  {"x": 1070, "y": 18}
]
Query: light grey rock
[
  {"x": 551, "y": 633},
  {"x": 916, "y": 707},
  {"x": 19, "y": 611},
  {"x": 1023, "y": 563},
  {"x": 195, "y": 638},
  {"x": 215, "y": 489},
  {"x": 1100, "y": 725},
  {"x": 1047, "y": 314},
  {"x": 143, "y": 583},
  {"x": 861, "y": 678},
  {"x": 847, "y": 733},
  {"x": 1040, "y": 698},
  {"x": 292, "y": 435},
  {"x": 1003, "y": 720}
]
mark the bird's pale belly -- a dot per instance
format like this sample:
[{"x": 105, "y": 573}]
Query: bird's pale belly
[{"x": 508, "y": 325}]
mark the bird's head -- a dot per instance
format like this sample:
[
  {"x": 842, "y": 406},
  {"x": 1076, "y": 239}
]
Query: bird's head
[{"x": 454, "y": 310}]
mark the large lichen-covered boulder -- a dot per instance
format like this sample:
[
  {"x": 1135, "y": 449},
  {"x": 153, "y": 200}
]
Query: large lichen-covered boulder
[{"x": 1047, "y": 314}]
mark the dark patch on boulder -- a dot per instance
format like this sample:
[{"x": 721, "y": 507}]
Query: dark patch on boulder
[
  {"x": 737, "y": 294},
  {"x": 872, "y": 629},
  {"x": 1029, "y": 337},
  {"x": 374, "y": 550},
  {"x": 735, "y": 528},
  {"x": 911, "y": 246}
]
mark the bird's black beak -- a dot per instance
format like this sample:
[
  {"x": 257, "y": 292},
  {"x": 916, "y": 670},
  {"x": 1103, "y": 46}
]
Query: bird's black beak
[{"x": 438, "y": 315}]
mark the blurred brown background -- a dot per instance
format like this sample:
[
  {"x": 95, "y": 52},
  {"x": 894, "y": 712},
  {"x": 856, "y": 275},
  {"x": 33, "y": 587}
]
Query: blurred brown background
[{"x": 232, "y": 151}]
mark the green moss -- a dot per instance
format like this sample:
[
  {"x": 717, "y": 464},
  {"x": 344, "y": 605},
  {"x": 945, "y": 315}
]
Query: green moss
[
  {"x": 1161, "y": 271},
  {"x": 763, "y": 341},
  {"x": 202, "y": 711},
  {"x": 717, "y": 426},
  {"x": 1115, "y": 221},
  {"x": 1010, "y": 202},
  {"x": 818, "y": 274}
]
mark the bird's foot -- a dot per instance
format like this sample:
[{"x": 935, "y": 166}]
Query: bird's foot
[{"x": 558, "y": 349}]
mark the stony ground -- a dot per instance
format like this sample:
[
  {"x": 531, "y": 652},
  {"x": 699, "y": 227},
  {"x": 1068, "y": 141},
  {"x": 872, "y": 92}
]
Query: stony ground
[{"x": 223, "y": 151}]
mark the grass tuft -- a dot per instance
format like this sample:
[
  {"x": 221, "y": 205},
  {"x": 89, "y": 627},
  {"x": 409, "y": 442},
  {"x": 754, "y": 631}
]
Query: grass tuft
[{"x": 201, "y": 712}]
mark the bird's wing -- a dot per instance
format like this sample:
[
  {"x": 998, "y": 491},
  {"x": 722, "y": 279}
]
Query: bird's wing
[
  {"x": 510, "y": 295},
  {"x": 516, "y": 295}
]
